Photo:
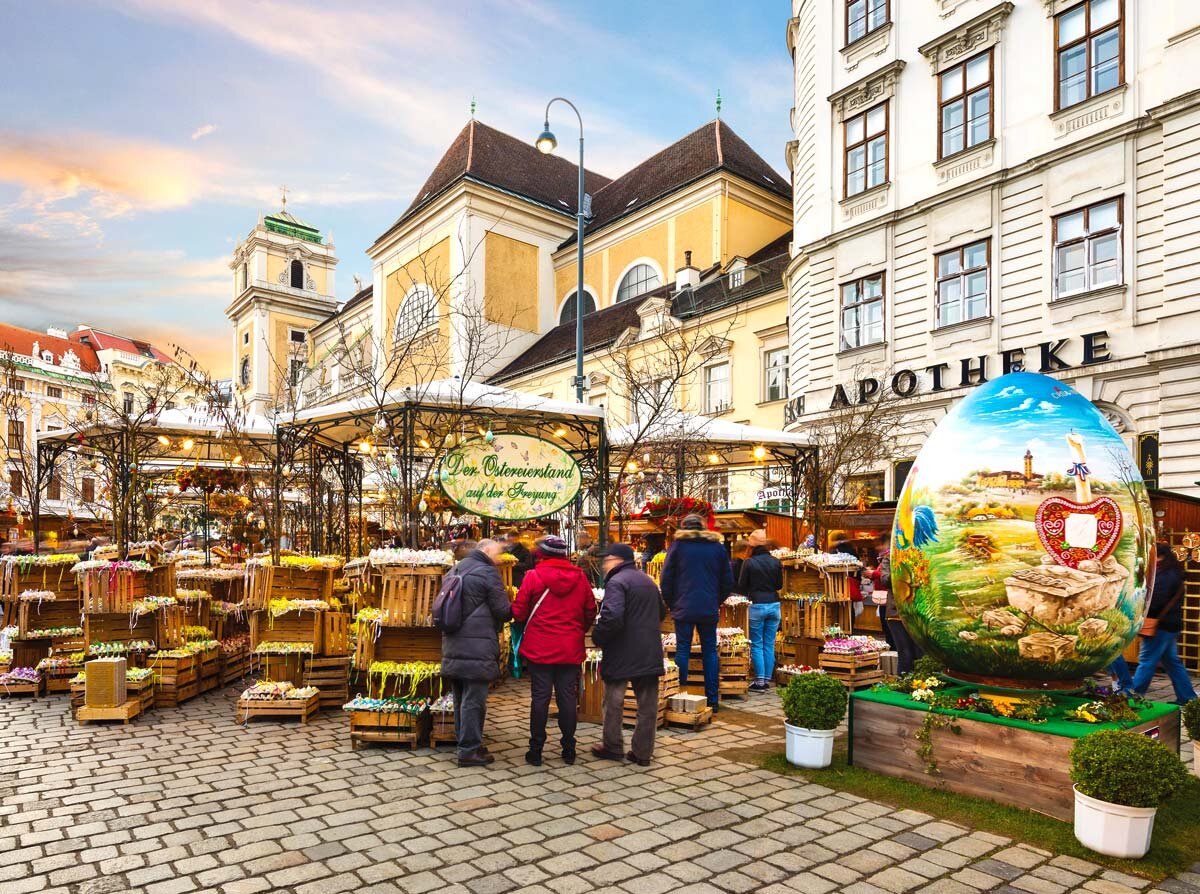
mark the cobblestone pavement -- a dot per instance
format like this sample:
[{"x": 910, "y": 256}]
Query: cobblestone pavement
[{"x": 185, "y": 800}]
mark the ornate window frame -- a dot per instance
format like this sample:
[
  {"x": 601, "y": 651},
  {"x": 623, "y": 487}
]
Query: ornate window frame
[{"x": 971, "y": 38}]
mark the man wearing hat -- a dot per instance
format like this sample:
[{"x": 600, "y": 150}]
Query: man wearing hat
[
  {"x": 696, "y": 578},
  {"x": 557, "y": 605},
  {"x": 627, "y": 629}
]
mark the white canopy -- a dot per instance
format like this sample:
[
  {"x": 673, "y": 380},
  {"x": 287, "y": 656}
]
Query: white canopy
[{"x": 716, "y": 432}]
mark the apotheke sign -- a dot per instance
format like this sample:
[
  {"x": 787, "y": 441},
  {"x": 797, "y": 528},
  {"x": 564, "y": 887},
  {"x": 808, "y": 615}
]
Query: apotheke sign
[{"x": 965, "y": 373}]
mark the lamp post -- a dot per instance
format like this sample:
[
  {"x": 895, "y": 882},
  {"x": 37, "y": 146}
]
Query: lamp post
[{"x": 546, "y": 143}]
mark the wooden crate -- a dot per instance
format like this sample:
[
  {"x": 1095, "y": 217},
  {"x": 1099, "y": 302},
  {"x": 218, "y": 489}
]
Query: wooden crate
[
  {"x": 801, "y": 578},
  {"x": 856, "y": 671},
  {"x": 283, "y": 668},
  {"x": 178, "y": 680},
  {"x": 335, "y": 633},
  {"x": 58, "y": 679},
  {"x": 290, "y": 627},
  {"x": 77, "y": 695},
  {"x": 394, "y": 727},
  {"x": 1001, "y": 763},
  {"x": 33, "y": 690},
  {"x": 106, "y": 592},
  {"x": 289, "y": 582},
  {"x": 819, "y": 616},
  {"x": 332, "y": 677},
  {"x": 408, "y": 644},
  {"x": 236, "y": 666},
  {"x": 798, "y": 650},
  {"x": 170, "y": 622},
  {"x": 277, "y": 708},
  {"x": 143, "y": 691},
  {"x": 695, "y": 720},
  {"x": 735, "y": 616},
  {"x": 431, "y": 687},
  {"x": 668, "y": 685},
  {"x": 406, "y": 595},
  {"x": 441, "y": 729},
  {"x": 118, "y": 628},
  {"x": 196, "y": 612},
  {"x": 223, "y": 590},
  {"x": 44, "y": 615},
  {"x": 124, "y": 713},
  {"x": 57, "y": 578},
  {"x": 591, "y": 698}
]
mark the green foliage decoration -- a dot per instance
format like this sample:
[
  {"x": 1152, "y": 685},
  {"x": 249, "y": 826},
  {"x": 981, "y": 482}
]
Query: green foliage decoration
[{"x": 1124, "y": 767}]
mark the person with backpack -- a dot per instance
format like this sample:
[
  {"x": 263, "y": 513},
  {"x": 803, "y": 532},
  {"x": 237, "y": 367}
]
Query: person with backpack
[
  {"x": 627, "y": 629},
  {"x": 696, "y": 578},
  {"x": 557, "y": 605},
  {"x": 470, "y": 610}
]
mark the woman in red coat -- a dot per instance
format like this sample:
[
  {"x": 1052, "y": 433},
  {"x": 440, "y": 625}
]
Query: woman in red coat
[{"x": 557, "y": 605}]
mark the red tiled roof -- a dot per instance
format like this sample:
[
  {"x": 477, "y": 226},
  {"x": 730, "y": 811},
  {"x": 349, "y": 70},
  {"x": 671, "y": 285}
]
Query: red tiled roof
[
  {"x": 493, "y": 157},
  {"x": 20, "y": 341},
  {"x": 102, "y": 341}
]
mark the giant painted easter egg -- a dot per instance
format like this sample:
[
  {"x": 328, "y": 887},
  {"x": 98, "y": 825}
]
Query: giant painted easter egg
[{"x": 1023, "y": 541}]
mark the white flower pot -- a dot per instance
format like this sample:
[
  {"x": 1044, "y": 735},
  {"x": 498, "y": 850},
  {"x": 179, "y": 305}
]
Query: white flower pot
[
  {"x": 1113, "y": 829},
  {"x": 812, "y": 748}
]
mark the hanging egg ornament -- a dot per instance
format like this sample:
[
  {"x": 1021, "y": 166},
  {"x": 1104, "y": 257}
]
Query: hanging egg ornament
[
  {"x": 394, "y": 471},
  {"x": 422, "y": 506},
  {"x": 489, "y": 437}
]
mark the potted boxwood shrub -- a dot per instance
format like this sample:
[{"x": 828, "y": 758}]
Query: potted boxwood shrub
[
  {"x": 1191, "y": 720},
  {"x": 814, "y": 704},
  {"x": 1121, "y": 779}
]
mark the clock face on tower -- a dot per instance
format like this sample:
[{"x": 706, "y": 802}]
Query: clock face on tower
[{"x": 244, "y": 373}]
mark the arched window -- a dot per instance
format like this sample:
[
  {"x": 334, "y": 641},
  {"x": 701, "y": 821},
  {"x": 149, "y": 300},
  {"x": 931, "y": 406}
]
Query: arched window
[
  {"x": 567, "y": 314},
  {"x": 297, "y": 274},
  {"x": 640, "y": 278},
  {"x": 418, "y": 312}
]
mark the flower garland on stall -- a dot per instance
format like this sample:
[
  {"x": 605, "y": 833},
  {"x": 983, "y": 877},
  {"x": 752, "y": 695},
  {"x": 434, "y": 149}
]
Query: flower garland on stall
[
  {"x": 415, "y": 672},
  {"x": 441, "y": 557}
]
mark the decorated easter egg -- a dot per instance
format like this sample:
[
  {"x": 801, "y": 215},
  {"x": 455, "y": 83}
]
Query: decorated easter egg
[{"x": 1022, "y": 548}]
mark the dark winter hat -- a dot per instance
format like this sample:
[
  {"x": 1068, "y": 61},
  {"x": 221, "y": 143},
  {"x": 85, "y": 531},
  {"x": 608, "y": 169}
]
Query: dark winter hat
[
  {"x": 553, "y": 546},
  {"x": 622, "y": 551},
  {"x": 692, "y": 523}
]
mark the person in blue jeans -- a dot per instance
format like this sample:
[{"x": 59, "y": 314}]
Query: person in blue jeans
[
  {"x": 760, "y": 581},
  {"x": 1166, "y": 607},
  {"x": 696, "y": 578}
]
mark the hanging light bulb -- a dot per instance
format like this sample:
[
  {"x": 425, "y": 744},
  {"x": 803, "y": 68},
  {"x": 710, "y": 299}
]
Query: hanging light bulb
[
  {"x": 424, "y": 443},
  {"x": 560, "y": 433},
  {"x": 760, "y": 453},
  {"x": 632, "y": 466},
  {"x": 364, "y": 446},
  {"x": 188, "y": 443},
  {"x": 713, "y": 459},
  {"x": 164, "y": 440}
]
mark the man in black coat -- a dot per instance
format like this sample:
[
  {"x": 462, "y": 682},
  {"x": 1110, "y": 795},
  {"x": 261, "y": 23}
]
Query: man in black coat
[
  {"x": 627, "y": 629},
  {"x": 471, "y": 655},
  {"x": 518, "y": 550}
]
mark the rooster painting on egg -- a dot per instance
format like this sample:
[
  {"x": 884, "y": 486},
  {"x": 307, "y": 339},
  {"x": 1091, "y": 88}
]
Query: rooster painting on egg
[{"x": 1022, "y": 540}]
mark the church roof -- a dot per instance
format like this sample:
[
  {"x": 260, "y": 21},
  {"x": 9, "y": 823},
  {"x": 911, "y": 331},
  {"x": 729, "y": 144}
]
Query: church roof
[
  {"x": 283, "y": 221},
  {"x": 494, "y": 158},
  {"x": 709, "y": 148}
]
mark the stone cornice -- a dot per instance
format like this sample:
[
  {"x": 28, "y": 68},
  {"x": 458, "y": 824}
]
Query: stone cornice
[
  {"x": 868, "y": 91},
  {"x": 973, "y": 36}
]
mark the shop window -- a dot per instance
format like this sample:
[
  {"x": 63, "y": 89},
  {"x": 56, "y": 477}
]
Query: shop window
[
  {"x": 640, "y": 279},
  {"x": 862, "y": 312},
  {"x": 865, "y": 141},
  {"x": 87, "y": 490},
  {"x": 965, "y": 105},
  {"x": 775, "y": 374},
  {"x": 16, "y": 483},
  {"x": 962, "y": 284},
  {"x": 717, "y": 393},
  {"x": 1089, "y": 60},
  {"x": 1087, "y": 249},
  {"x": 864, "y": 17},
  {"x": 567, "y": 314},
  {"x": 716, "y": 488},
  {"x": 54, "y": 488}
]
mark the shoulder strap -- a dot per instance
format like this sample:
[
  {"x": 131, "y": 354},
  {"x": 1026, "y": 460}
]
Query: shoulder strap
[{"x": 1166, "y": 609}]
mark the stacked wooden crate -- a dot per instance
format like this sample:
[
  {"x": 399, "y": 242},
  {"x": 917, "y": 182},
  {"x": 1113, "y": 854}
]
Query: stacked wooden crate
[
  {"x": 178, "y": 679},
  {"x": 733, "y": 667},
  {"x": 668, "y": 686},
  {"x": 332, "y": 677},
  {"x": 856, "y": 670}
]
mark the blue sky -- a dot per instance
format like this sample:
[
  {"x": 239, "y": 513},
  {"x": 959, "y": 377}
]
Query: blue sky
[{"x": 139, "y": 139}]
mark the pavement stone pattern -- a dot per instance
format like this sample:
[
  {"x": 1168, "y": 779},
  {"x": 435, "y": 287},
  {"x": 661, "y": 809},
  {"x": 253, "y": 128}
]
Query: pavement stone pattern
[{"x": 184, "y": 800}]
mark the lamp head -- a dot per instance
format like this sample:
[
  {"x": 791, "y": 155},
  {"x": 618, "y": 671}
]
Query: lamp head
[{"x": 547, "y": 142}]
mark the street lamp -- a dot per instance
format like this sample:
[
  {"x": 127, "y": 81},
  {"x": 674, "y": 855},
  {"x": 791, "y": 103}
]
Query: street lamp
[{"x": 547, "y": 143}]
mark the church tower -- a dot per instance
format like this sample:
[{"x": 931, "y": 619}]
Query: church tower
[
  {"x": 283, "y": 285},
  {"x": 1028, "y": 465}
]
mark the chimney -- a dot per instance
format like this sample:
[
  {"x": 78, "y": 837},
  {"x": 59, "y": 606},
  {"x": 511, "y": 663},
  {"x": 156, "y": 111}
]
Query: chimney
[
  {"x": 56, "y": 332},
  {"x": 687, "y": 276}
]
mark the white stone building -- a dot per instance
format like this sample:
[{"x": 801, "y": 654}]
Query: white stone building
[{"x": 980, "y": 185}]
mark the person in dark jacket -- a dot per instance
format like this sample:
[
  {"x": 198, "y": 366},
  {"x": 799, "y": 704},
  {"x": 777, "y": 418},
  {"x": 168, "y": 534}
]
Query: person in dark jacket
[
  {"x": 1166, "y": 606},
  {"x": 518, "y": 550},
  {"x": 558, "y": 607},
  {"x": 471, "y": 655},
  {"x": 628, "y": 632},
  {"x": 760, "y": 581},
  {"x": 696, "y": 578},
  {"x": 589, "y": 560}
]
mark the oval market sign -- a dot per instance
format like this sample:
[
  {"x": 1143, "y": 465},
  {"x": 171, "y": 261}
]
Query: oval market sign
[{"x": 512, "y": 478}]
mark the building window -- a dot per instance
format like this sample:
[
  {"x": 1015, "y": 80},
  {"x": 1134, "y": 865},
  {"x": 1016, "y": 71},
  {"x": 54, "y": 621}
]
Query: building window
[
  {"x": 15, "y": 384},
  {"x": 864, "y": 17},
  {"x": 87, "y": 490},
  {"x": 169, "y": 405},
  {"x": 244, "y": 372},
  {"x": 53, "y": 391},
  {"x": 54, "y": 488},
  {"x": 900, "y": 471},
  {"x": 651, "y": 399},
  {"x": 717, "y": 396},
  {"x": 1089, "y": 62},
  {"x": 716, "y": 489},
  {"x": 16, "y": 483},
  {"x": 245, "y": 338},
  {"x": 418, "y": 312},
  {"x": 862, "y": 312},
  {"x": 296, "y": 336},
  {"x": 297, "y": 274},
  {"x": 737, "y": 278},
  {"x": 567, "y": 315},
  {"x": 965, "y": 105},
  {"x": 775, "y": 374},
  {"x": 295, "y": 371},
  {"x": 127, "y": 403},
  {"x": 1087, "y": 249},
  {"x": 866, "y": 150},
  {"x": 641, "y": 278},
  {"x": 16, "y": 433},
  {"x": 88, "y": 398},
  {"x": 867, "y": 488},
  {"x": 962, "y": 284}
]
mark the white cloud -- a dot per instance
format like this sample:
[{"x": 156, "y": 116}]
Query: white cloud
[
  {"x": 203, "y": 131},
  {"x": 1022, "y": 406},
  {"x": 1045, "y": 407},
  {"x": 1009, "y": 391}
]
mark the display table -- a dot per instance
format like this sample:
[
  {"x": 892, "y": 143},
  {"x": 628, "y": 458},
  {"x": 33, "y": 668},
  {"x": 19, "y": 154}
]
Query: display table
[{"x": 1001, "y": 759}]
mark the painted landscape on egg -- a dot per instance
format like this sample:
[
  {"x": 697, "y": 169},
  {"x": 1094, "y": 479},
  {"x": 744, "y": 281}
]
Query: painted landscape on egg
[{"x": 1021, "y": 537}]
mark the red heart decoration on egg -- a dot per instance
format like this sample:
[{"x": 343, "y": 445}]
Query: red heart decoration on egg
[{"x": 1051, "y": 526}]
